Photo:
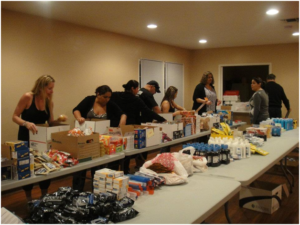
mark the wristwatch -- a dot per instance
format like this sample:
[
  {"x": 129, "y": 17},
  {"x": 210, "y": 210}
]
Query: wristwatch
[{"x": 24, "y": 124}]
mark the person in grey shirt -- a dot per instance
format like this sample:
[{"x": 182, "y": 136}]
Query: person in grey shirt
[{"x": 259, "y": 101}]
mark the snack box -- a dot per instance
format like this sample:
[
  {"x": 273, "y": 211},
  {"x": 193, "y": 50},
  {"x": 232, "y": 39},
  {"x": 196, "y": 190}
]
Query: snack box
[{"x": 17, "y": 145}]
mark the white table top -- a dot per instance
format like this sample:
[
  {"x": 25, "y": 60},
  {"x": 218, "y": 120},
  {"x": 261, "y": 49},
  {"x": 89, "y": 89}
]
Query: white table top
[
  {"x": 187, "y": 203},
  {"x": 10, "y": 184},
  {"x": 249, "y": 169}
]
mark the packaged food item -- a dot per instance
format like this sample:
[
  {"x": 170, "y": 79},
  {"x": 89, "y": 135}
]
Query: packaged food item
[
  {"x": 41, "y": 171},
  {"x": 122, "y": 204},
  {"x": 123, "y": 215},
  {"x": 100, "y": 220},
  {"x": 107, "y": 197}
]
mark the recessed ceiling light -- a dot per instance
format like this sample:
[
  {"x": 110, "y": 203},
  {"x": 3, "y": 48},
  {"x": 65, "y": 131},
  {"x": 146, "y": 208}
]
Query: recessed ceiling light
[
  {"x": 296, "y": 34},
  {"x": 202, "y": 41},
  {"x": 152, "y": 26},
  {"x": 272, "y": 11}
]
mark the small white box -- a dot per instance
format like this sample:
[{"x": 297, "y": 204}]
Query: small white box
[
  {"x": 121, "y": 180},
  {"x": 116, "y": 174}
]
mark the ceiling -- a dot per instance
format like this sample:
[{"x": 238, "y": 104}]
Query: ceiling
[{"x": 180, "y": 23}]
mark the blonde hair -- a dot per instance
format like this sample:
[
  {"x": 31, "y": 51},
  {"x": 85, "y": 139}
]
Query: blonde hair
[{"x": 38, "y": 89}]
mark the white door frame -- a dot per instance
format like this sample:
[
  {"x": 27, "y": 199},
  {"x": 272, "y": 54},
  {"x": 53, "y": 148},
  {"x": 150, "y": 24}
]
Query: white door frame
[{"x": 220, "y": 78}]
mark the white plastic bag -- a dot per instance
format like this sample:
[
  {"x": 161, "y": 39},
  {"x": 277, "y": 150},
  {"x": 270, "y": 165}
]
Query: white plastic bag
[
  {"x": 185, "y": 159},
  {"x": 178, "y": 177},
  {"x": 200, "y": 164}
]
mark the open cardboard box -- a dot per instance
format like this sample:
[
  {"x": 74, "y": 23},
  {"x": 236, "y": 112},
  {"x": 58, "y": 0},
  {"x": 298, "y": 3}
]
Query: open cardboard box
[
  {"x": 42, "y": 140},
  {"x": 167, "y": 116},
  {"x": 261, "y": 196},
  {"x": 83, "y": 147},
  {"x": 97, "y": 125},
  {"x": 153, "y": 133},
  {"x": 166, "y": 128}
]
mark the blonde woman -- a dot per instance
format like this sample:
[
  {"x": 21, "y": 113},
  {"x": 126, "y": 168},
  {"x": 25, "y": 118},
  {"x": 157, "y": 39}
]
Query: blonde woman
[
  {"x": 35, "y": 107},
  {"x": 168, "y": 104}
]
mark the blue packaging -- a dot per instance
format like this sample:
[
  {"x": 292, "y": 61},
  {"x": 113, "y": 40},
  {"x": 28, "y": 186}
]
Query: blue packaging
[
  {"x": 20, "y": 154},
  {"x": 187, "y": 130},
  {"x": 276, "y": 131},
  {"x": 24, "y": 175},
  {"x": 17, "y": 145}
]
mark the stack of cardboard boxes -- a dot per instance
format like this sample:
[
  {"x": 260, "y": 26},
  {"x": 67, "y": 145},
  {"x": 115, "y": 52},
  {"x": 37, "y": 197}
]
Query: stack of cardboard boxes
[{"x": 19, "y": 153}]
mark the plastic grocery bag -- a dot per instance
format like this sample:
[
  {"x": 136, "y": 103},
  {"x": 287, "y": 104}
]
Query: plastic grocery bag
[
  {"x": 186, "y": 159},
  {"x": 168, "y": 161},
  {"x": 200, "y": 164},
  {"x": 170, "y": 178}
]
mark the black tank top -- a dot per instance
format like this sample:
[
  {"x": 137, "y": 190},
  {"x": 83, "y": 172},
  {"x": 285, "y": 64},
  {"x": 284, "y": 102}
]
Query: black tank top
[
  {"x": 33, "y": 115},
  {"x": 171, "y": 109}
]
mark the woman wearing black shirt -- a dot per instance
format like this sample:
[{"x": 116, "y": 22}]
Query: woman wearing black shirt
[{"x": 97, "y": 106}]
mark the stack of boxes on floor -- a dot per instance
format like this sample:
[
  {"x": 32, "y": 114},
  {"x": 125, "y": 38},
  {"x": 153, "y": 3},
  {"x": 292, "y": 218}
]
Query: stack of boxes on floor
[
  {"x": 21, "y": 158},
  {"x": 107, "y": 180}
]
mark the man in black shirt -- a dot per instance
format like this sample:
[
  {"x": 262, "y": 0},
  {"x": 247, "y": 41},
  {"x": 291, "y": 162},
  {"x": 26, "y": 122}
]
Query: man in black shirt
[
  {"x": 146, "y": 94},
  {"x": 276, "y": 95}
]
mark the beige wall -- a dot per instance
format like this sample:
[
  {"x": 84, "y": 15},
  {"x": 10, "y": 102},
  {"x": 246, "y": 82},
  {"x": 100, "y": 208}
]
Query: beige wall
[
  {"x": 284, "y": 60},
  {"x": 81, "y": 58}
]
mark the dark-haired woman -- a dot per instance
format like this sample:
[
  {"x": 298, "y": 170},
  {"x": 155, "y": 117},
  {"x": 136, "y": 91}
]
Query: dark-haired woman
[
  {"x": 259, "y": 101},
  {"x": 133, "y": 106},
  {"x": 205, "y": 93},
  {"x": 168, "y": 104},
  {"x": 97, "y": 106}
]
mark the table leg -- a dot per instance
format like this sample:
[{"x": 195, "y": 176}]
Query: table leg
[
  {"x": 292, "y": 175},
  {"x": 226, "y": 212},
  {"x": 287, "y": 178}
]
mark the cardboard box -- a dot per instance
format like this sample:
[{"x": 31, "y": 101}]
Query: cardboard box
[
  {"x": 167, "y": 116},
  {"x": 187, "y": 130},
  {"x": 178, "y": 134},
  {"x": 42, "y": 140},
  {"x": 82, "y": 148},
  {"x": 167, "y": 128},
  {"x": 225, "y": 107},
  {"x": 125, "y": 131},
  {"x": 226, "y": 116},
  {"x": 5, "y": 151},
  {"x": 144, "y": 135},
  {"x": 153, "y": 134},
  {"x": 23, "y": 175},
  {"x": 97, "y": 125},
  {"x": 261, "y": 196}
]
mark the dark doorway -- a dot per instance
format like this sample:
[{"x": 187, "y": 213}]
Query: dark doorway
[{"x": 239, "y": 78}]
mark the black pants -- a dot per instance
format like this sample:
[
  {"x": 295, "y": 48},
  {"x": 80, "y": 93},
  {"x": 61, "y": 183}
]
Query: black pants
[
  {"x": 275, "y": 112},
  {"x": 142, "y": 156},
  {"x": 165, "y": 149},
  {"x": 43, "y": 185}
]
